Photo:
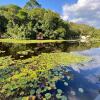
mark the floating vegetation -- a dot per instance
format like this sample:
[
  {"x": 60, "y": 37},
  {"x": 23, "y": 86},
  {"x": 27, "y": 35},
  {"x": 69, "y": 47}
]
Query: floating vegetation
[
  {"x": 45, "y": 81},
  {"x": 47, "y": 96},
  {"x": 65, "y": 83},
  {"x": 80, "y": 90},
  {"x": 73, "y": 92},
  {"x": 2, "y": 51},
  {"x": 22, "y": 52},
  {"x": 36, "y": 76},
  {"x": 25, "y": 52}
]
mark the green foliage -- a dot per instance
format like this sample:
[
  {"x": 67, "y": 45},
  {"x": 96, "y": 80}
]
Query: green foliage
[
  {"x": 10, "y": 8},
  {"x": 32, "y": 4},
  {"x": 22, "y": 15},
  {"x": 24, "y": 77},
  {"x": 83, "y": 30},
  {"x": 16, "y": 32},
  {"x": 59, "y": 91},
  {"x": 47, "y": 96},
  {"x": 51, "y": 20},
  {"x": 36, "y": 14},
  {"x": 3, "y": 24},
  {"x": 29, "y": 21},
  {"x": 59, "y": 33},
  {"x": 20, "y": 41}
]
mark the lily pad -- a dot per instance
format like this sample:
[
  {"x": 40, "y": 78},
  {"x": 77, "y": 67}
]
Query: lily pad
[
  {"x": 32, "y": 92},
  {"x": 65, "y": 83},
  {"x": 59, "y": 91},
  {"x": 80, "y": 90},
  {"x": 47, "y": 96},
  {"x": 63, "y": 98},
  {"x": 58, "y": 96}
]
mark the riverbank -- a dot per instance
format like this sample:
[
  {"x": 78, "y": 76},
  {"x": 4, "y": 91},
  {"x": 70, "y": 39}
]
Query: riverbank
[{"x": 33, "y": 41}]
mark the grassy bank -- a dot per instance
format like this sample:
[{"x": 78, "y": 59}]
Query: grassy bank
[{"x": 33, "y": 41}]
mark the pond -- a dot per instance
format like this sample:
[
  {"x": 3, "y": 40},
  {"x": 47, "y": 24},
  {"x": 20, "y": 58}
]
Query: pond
[
  {"x": 79, "y": 81},
  {"x": 7, "y": 49}
]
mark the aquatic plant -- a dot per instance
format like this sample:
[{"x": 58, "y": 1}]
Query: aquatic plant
[
  {"x": 36, "y": 75},
  {"x": 2, "y": 51},
  {"x": 81, "y": 90}
]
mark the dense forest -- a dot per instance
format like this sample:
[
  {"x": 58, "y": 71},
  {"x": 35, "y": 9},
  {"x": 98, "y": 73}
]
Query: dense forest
[{"x": 32, "y": 21}]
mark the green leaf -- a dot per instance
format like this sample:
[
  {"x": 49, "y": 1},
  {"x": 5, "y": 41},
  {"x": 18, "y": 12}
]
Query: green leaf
[
  {"x": 32, "y": 92},
  {"x": 58, "y": 96},
  {"x": 63, "y": 98},
  {"x": 59, "y": 91},
  {"x": 65, "y": 83},
  {"x": 47, "y": 96},
  {"x": 80, "y": 90}
]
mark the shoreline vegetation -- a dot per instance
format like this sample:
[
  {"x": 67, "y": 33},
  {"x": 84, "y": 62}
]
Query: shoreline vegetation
[
  {"x": 39, "y": 23},
  {"x": 26, "y": 41},
  {"x": 34, "y": 41}
]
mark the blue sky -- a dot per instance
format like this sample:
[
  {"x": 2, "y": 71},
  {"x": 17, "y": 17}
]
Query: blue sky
[{"x": 55, "y": 5}]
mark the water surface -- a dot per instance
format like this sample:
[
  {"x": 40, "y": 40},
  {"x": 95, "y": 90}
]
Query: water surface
[{"x": 85, "y": 84}]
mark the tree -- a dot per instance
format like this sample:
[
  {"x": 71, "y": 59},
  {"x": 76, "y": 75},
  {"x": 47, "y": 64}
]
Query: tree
[
  {"x": 51, "y": 20},
  {"x": 32, "y": 4},
  {"x": 10, "y": 8},
  {"x": 3, "y": 24},
  {"x": 22, "y": 23},
  {"x": 59, "y": 33},
  {"x": 22, "y": 15},
  {"x": 9, "y": 11},
  {"x": 50, "y": 23}
]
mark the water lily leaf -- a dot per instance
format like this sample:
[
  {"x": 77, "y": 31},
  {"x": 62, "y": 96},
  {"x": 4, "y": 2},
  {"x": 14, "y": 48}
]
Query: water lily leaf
[
  {"x": 65, "y": 83},
  {"x": 22, "y": 93},
  {"x": 59, "y": 91},
  {"x": 47, "y": 96},
  {"x": 58, "y": 96},
  {"x": 68, "y": 77},
  {"x": 38, "y": 91},
  {"x": 80, "y": 90},
  {"x": 63, "y": 98},
  {"x": 32, "y": 92},
  {"x": 31, "y": 85},
  {"x": 25, "y": 98},
  {"x": 49, "y": 88},
  {"x": 73, "y": 93}
]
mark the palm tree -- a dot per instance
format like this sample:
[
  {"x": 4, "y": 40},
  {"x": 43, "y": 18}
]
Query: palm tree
[{"x": 32, "y": 4}]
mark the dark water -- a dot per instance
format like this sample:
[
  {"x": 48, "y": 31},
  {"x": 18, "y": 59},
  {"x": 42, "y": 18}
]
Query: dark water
[
  {"x": 86, "y": 75},
  {"x": 7, "y": 49}
]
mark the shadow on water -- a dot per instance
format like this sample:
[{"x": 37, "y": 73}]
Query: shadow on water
[{"x": 12, "y": 49}]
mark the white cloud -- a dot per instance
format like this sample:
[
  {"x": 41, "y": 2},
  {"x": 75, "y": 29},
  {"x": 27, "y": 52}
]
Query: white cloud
[{"x": 83, "y": 11}]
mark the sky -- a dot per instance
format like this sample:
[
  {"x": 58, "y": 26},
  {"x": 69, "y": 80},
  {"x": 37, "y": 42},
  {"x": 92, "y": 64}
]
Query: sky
[{"x": 78, "y": 11}]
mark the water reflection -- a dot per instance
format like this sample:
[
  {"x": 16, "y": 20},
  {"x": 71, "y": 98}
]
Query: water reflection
[
  {"x": 12, "y": 49},
  {"x": 90, "y": 72}
]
